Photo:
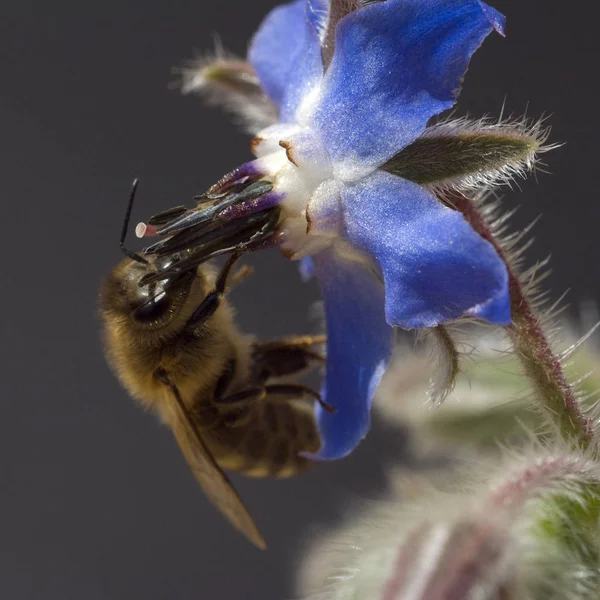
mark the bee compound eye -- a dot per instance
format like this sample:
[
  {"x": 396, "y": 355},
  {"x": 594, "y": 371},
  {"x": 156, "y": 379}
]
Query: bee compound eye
[{"x": 153, "y": 310}]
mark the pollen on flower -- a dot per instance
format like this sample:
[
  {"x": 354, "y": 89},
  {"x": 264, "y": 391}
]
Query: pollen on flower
[
  {"x": 289, "y": 151},
  {"x": 255, "y": 144},
  {"x": 294, "y": 159}
]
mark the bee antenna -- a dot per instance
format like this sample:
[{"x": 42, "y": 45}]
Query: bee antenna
[{"x": 128, "y": 252}]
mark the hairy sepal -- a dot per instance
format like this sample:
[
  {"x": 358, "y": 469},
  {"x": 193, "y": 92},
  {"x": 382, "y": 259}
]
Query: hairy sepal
[
  {"x": 486, "y": 406},
  {"x": 463, "y": 154},
  {"x": 230, "y": 83},
  {"x": 445, "y": 359}
]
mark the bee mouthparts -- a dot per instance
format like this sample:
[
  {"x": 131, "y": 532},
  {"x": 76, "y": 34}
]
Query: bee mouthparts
[
  {"x": 240, "y": 211},
  {"x": 244, "y": 217}
]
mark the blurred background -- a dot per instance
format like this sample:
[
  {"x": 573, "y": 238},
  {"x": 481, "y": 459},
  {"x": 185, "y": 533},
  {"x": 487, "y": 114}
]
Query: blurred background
[{"x": 96, "y": 500}]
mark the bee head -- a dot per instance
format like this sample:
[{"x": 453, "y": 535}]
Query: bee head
[
  {"x": 156, "y": 304},
  {"x": 136, "y": 292}
]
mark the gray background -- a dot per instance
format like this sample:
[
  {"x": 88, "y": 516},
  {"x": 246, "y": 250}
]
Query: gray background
[{"x": 96, "y": 501}]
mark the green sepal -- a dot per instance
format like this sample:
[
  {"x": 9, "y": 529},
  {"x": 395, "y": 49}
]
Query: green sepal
[{"x": 435, "y": 159}]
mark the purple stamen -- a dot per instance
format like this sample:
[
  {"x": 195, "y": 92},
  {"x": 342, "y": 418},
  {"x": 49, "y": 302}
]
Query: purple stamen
[
  {"x": 250, "y": 171},
  {"x": 249, "y": 207}
]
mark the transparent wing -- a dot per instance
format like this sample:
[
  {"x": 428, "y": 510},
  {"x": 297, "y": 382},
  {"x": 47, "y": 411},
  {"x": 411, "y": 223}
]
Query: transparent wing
[{"x": 212, "y": 479}]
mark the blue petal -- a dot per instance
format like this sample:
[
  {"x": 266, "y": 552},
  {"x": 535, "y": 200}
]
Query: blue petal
[
  {"x": 396, "y": 64},
  {"x": 496, "y": 310},
  {"x": 359, "y": 345},
  {"x": 434, "y": 265},
  {"x": 275, "y": 47},
  {"x": 307, "y": 268},
  {"x": 317, "y": 13},
  {"x": 497, "y": 19},
  {"x": 305, "y": 74}
]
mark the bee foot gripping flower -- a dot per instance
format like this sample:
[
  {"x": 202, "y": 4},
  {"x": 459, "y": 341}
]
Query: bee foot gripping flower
[{"x": 355, "y": 173}]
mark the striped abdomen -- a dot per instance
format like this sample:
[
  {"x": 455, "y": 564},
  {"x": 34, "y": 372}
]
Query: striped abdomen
[{"x": 266, "y": 442}]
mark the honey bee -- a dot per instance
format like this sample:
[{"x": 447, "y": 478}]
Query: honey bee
[{"x": 171, "y": 339}]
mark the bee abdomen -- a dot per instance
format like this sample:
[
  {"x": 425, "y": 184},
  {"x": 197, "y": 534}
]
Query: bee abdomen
[{"x": 280, "y": 432}]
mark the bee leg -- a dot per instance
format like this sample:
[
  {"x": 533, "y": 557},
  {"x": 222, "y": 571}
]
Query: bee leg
[
  {"x": 286, "y": 357},
  {"x": 209, "y": 305},
  {"x": 234, "y": 408},
  {"x": 242, "y": 273},
  {"x": 297, "y": 390},
  {"x": 287, "y": 391},
  {"x": 237, "y": 407}
]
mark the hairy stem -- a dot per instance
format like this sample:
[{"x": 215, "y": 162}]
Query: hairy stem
[{"x": 543, "y": 367}]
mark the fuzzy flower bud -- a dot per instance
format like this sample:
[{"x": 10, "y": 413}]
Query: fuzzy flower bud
[{"x": 515, "y": 534}]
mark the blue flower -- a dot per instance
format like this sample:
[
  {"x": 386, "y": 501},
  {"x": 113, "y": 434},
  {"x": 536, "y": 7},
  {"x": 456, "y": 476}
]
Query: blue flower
[{"x": 354, "y": 84}]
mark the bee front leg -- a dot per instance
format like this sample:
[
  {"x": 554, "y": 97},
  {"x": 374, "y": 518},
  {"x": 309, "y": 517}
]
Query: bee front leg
[{"x": 209, "y": 305}]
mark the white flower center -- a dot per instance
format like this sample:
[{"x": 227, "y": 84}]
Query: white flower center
[{"x": 295, "y": 159}]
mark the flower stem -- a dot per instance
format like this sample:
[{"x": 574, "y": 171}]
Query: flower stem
[{"x": 543, "y": 367}]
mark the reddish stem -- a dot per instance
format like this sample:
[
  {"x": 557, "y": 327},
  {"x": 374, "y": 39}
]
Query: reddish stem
[{"x": 541, "y": 364}]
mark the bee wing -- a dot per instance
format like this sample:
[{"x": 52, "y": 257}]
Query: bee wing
[{"x": 213, "y": 480}]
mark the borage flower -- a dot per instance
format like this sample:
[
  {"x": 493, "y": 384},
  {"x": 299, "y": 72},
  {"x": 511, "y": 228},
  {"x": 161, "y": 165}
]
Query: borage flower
[{"x": 355, "y": 171}]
